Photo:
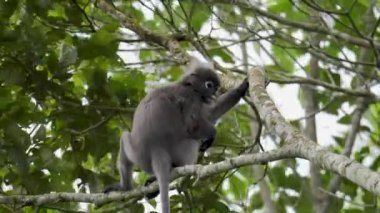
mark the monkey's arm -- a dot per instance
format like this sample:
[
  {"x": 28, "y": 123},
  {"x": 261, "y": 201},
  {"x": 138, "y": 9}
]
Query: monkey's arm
[{"x": 226, "y": 101}]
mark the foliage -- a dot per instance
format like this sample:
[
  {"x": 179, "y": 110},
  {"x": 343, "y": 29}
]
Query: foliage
[{"x": 69, "y": 84}]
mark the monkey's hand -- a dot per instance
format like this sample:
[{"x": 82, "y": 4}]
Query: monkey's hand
[
  {"x": 243, "y": 87},
  {"x": 205, "y": 144}
]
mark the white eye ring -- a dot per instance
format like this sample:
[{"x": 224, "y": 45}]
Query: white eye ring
[{"x": 209, "y": 84}]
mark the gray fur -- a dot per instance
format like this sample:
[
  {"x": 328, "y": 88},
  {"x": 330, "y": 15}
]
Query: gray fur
[{"x": 170, "y": 125}]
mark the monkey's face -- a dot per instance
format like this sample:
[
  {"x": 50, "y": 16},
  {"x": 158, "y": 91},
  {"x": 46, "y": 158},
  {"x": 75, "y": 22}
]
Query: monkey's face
[{"x": 204, "y": 81}]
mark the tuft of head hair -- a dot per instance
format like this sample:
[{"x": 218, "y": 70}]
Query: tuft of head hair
[
  {"x": 201, "y": 70},
  {"x": 206, "y": 74},
  {"x": 195, "y": 64},
  {"x": 201, "y": 78}
]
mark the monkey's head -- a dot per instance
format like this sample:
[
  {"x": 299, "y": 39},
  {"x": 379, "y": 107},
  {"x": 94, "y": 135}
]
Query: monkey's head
[{"x": 204, "y": 81}]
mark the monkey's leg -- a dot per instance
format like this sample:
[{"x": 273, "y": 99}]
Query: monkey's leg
[
  {"x": 161, "y": 164},
  {"x": 125, "y": 167}
]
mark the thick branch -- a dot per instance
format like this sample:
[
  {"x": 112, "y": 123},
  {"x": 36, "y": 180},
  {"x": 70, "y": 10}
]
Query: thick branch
[
  {"x": 335, "y": 182},
  {"x": 198, "y": 170},
  {"x": 306, "y": 148}
]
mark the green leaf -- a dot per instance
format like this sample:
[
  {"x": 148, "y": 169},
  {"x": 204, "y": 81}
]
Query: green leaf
[
  {"x": 345, "y": 119},
  {"x": 74, "y": 16},
  {"x": 339, "y": 140},
  {"x": 40, "y": 135},
  {"x": 5, "y": 97},
  {"x": 352, "y": 211},
  {"x": 256, "y": 201},
  {"x": 304, "y": 203},
  {"x": 102, "y": 43},
  {"x": 67, "y": 54},
  {"x": 329, "y": 77},
  {"x": 238, "y": 187},
  {"x": 376, "y": 164},
  {"x": 198, "y": 13},
  {"x": 7, "y": 8},
  {"x": 136, "y": 80},
  {"x": 201, "y": 13},
  {"x": 145, "y": 55},
  {"x": 362, "y": 153},
  {"x": 371, "y": 200},
  {"x": 12, "y": 73},
  {"x": 335, "y": 206},
  {"x": 349, "y": 188},
  {"x": 285, "y": 8},
  {"x": 283, "y": 58},
  {"x": 223, "y": 54},
  {"x": 216, "y": 50},
  {"x": 174, "y": 73}
]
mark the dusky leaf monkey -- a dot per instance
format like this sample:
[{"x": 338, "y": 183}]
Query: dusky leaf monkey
[{"x": 172, "y": 124}]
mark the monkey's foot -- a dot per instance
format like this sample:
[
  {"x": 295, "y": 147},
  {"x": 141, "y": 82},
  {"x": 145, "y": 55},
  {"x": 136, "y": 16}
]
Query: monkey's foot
[
  {"x": 153, "y": 194},
  {"x": 112, "y": 188}
]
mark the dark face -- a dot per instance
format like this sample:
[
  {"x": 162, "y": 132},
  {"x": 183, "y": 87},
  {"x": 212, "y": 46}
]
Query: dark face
[{"x": 204, "y": 81}]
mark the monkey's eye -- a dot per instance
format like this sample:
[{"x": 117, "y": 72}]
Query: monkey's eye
[{"x": 209, "y": 84}]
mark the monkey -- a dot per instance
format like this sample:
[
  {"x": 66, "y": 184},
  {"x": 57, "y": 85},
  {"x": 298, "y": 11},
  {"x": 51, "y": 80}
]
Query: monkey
[{"x": 171, "y": 125}]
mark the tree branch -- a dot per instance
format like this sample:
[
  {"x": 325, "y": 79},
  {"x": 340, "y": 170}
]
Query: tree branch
[
  {"x": 335, "y": 182},
  {"x": 198, "y": 170}
]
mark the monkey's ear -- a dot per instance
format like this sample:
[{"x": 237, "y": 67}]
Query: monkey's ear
[{"x": 195, "y": 64}]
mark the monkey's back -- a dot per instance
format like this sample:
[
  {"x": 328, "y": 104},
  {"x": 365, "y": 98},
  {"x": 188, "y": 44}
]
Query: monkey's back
[{"x": 158, "y": 123}]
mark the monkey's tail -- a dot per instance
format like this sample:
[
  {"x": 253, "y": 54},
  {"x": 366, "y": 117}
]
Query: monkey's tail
[{"x": 161, "y": 167}]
